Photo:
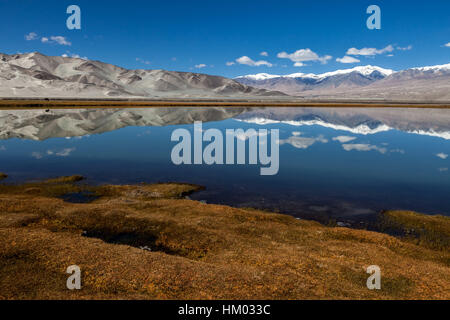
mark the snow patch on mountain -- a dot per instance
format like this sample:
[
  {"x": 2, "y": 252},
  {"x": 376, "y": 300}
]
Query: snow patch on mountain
[{"x": 364, "y": 70}]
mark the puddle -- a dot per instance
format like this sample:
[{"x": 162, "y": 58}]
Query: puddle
[{"x": 80, "y": 197}]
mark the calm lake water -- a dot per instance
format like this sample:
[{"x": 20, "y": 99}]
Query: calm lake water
[{"x": 343, "y": 163}]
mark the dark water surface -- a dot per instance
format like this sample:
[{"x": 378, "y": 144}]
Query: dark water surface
[{"x": 345, "y": 163}]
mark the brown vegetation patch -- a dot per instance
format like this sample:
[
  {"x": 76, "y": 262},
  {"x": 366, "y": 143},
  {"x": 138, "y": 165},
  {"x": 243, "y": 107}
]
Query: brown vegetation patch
[
  {"x": 148, "y": 242},
  {"x": 429, "y": 230}
]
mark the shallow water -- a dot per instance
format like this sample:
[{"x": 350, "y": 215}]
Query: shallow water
[{"x": 343, "y": 163}]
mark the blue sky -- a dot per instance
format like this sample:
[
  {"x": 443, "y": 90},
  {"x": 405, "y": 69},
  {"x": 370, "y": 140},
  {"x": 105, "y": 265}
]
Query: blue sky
[{"x": 203, "y": 36}]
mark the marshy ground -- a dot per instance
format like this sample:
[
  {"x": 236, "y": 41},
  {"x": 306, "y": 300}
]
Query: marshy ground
[{"x": 149, "y": 241}]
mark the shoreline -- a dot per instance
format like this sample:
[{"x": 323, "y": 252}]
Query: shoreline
[
  {"x": 147, "y": 241},
  {"x": 37, "y": 103}
]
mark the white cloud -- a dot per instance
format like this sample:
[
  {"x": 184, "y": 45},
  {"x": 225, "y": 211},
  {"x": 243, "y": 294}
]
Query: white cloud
[
  {"x": 442, "y": 155},
  {"x": 368, "y": 51},
  {"x": 303, "y": 55},
  {"x": 60, "y": 40},
  {"x": 363, "y": 147},
  {"x": 73, "y": 55},
  {"x": 325, "y": 59},
  {"x": 344, "y": 139},
  {"x": 447, "y": 45},
  {"x": 201, "y": 65},
  {"x": 347, "y": 59},
  {"x": 302, "y": 142},
  {"x": 249, "y": 62},
  {"x": 299, "y": 64},
  {"x": 31, "y": 36},
  {"x": 143, "y": 61},
  {"x": 264, "y": 54},
  {"x": 230, "y": 63},
  {"x": 65, "y": 152},
  {"x": 405, "y": 48},
  {"x": 56, "y": 39}
]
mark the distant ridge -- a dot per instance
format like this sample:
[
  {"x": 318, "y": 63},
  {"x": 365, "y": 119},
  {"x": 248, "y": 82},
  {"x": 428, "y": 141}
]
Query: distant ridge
[
  {"x": 364, "y": 70},
  {"x": 430, "y": 83}
]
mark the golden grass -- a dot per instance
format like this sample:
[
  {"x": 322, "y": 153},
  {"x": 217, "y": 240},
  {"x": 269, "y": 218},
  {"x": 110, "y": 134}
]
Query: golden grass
[
  {"x": 428, "y": 230},
  {"x": 198, "y": 251}
]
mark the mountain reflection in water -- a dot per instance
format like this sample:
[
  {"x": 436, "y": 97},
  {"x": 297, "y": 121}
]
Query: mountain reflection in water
[{"x": 347, "y": 163}]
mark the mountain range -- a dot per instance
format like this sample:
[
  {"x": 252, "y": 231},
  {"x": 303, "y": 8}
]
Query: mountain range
[
  {"x": 34, "y": 75},
  {"x": 365, "y": 82},
  {"x": 37, "y": 75},
  {"x": 64, "y": 123}
]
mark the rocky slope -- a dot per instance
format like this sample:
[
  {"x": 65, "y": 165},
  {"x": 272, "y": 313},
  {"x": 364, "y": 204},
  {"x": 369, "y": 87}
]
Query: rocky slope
[{"x": 37, "y": 75}]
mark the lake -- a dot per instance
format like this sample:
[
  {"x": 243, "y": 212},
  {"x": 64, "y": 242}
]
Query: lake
[{"x": 342, "y": 163}]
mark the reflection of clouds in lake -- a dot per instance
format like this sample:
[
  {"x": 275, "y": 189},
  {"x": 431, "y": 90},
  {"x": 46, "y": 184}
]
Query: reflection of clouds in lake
[
  {"x": 442, "y": 155},
  {"x": 2, "y": 148},
  {"x": 37, "y": 155},
  {"x": 363, "y": 147},
  {"x": 443, "y": 169},
  {"x": 344, "y": 139},
  {"x": 62, "y": 153},
  {"x": 65, "y": 152},
  {"x": 302, "y": 142},
  {"x": 78, "y": 137},
  {"x": 397, "y": 151},
  {"x": 249, "y": 133},
  {"x": 144, "y": 133}
]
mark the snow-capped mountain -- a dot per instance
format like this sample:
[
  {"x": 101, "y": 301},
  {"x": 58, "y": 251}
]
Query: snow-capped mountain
[
  {"x": 370, "y": 82},
  {"x": 364, "y": 70},
  {"x": 298, "y": 83},
  {"x": 434, "y": 69},
  {"x": 37, "y": 75}
]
